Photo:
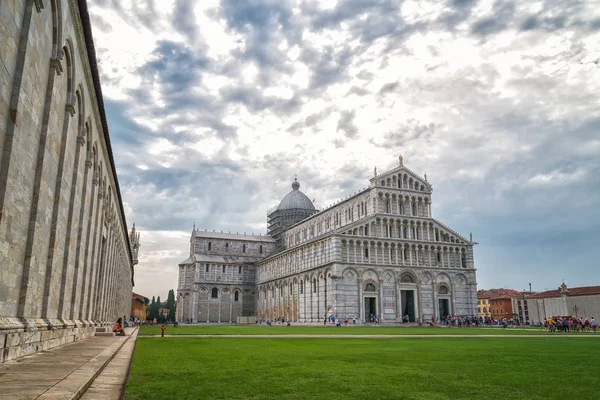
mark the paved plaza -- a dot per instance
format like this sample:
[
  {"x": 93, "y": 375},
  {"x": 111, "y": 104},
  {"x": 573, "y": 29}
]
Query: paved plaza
[{"x": 94, "y": 368}]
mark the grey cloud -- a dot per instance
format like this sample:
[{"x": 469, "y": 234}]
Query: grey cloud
[
  {"x": 410, "y": 131},
  {"x": 176, "y": 66},
  {"x": 346, "y": 124},
  {"x": 328, "y": 66},
  {"x": 142, "y": 13},
  {"x": 389, "y": 88},
  {"x": 503, "y": 14},
  {"x": 357, "y": 91},
  {"x": 256, "y": 101},
  {"x": 184, "y": 19},
  {"x": 309, "y": 121}
]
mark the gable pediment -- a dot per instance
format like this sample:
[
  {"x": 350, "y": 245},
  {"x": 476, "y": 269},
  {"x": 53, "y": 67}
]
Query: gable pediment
[{"x": 409, "y": 179}]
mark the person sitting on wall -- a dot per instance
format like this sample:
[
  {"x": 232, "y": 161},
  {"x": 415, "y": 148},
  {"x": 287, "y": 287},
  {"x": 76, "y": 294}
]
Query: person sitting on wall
[{"x": 118, "y": 328}]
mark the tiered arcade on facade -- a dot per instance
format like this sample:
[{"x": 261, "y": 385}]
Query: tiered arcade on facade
[
  {"x": 66, "y": 260},
  {"x": 377, "y": 253}
]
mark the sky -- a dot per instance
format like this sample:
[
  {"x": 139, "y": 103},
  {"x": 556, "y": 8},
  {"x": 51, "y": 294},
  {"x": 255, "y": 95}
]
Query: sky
[{"x": 213, "y": 106}]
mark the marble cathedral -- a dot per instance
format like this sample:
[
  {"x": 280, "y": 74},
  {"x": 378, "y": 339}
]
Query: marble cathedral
[{"x": 376, "y": 253}]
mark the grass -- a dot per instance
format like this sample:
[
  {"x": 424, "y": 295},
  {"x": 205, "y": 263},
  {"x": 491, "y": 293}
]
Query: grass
[
  {"x": 347, "y": 330},
  {"x": 362, "y": 368}
]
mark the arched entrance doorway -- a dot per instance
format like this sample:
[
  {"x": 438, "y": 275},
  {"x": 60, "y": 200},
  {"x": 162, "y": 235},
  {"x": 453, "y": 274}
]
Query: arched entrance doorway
[
  {"x": 444, "y": 300},
  {"x": 370, "y": 301},
  {"x": 408, "y": 298}
]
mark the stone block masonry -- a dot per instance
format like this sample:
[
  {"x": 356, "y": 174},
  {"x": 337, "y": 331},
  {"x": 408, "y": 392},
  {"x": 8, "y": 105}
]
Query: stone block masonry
[{"x": 66, "y": 260}]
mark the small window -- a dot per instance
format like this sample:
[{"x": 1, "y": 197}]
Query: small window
[
  {"x": 206, "y": 267},
  {"x": 227, "y": 245},
  {"x": 260, "y": 249},
  {"x": 314, "y": 286},
  {"x": 367, "y": 252},
  {"x": 215, "y": 293},
  {"x": 243, "y": 248},
  {"x": 209, "y": 246},
  {"x": 301, "y": 287},
  {"x": 236, "y": 296},
  {"x": 240, "y": 269},
  {"x": 223, "y": 269}
]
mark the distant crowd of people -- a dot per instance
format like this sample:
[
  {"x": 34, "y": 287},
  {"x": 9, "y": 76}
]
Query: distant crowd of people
[{"x": 570, "y": 324}]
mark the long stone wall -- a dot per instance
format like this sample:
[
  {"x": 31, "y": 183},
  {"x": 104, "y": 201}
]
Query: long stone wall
[{"x": 65, "y": 260}]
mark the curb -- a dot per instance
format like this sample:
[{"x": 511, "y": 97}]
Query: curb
[{"x": 74, "y": 385}]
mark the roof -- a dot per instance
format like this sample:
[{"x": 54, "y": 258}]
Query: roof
[
  {"x": 576, "y": 291},
  {"x": 135, "y": 296},
  {"x": 296, "y": 200},
  {"x": 498, "y": 294},
  {"x": 234, "y": 236},
  {"x": 219, "y": 259},
  {"x": 91, "y": 53}
]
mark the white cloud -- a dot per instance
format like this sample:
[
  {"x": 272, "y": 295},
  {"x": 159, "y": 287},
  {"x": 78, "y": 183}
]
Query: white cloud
[{"x": 212, "y": 127}]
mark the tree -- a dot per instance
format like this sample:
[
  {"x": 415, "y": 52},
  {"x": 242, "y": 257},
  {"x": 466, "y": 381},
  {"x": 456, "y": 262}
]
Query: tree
[
  {"x": 171, "y": 305},
  {"x": 150, "y": 310}
]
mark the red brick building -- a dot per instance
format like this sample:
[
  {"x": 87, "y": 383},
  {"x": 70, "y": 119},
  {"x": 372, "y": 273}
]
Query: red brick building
[{"x": 502, "y": 303}]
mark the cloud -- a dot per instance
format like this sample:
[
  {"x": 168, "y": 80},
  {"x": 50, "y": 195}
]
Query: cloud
[
  {"x": 214, "y": 106},
  {"x": 346, "y": 124}
]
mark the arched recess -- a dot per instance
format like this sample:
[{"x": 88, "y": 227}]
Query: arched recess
[
  {"x": 444, "y": 299},
  {"x": 33, "y": 276},
  {"x": 57, "y": 269},
  {"x": 408, "y": 304}
]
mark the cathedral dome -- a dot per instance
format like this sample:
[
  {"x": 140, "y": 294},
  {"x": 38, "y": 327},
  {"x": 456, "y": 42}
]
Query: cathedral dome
[{"x": 296, "y": 200}]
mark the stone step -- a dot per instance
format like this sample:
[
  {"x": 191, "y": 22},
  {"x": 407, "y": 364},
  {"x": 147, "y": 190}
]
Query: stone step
[
  {"x": 75, "y": 385},
  {"x": 105, "y": 334},
  {"x": 102, "y": 329}
]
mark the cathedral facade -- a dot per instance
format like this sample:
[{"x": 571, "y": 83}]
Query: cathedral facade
[{"x": 376, "y": 254}]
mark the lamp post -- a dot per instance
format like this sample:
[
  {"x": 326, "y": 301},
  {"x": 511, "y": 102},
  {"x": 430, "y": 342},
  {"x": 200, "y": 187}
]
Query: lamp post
[{"x": 576, "y": 310}]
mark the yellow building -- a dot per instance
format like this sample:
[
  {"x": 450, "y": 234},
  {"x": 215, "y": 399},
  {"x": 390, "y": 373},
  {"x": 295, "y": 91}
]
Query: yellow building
[{"x": 483, "y": 304}]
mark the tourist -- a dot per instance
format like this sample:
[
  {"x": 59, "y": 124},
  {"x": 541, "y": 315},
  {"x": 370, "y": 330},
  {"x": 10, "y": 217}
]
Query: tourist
[
  {"x": 353, "y": 320},
  {"x": 594, "y": 324},
  {"x": 337, "y": 323},
  {"x": 586, "y": 323},
  {"x": 118, "y": 328}
]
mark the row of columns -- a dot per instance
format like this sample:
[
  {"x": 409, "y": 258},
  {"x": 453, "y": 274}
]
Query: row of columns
[
  {"x": 408, "y": 205},
  {"x": 296, "y": 301},
  {"x": 402, "y": 230},
  {"x": 296, "y": 261},
  {"x": 391, "y": 255}
]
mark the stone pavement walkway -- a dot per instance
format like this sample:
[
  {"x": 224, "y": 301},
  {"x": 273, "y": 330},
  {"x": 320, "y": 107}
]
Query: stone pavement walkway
[
  {"x": 358, "y": 336},
  {"x": 112, "y": 381},
  {"x": 63, "y": 372}
]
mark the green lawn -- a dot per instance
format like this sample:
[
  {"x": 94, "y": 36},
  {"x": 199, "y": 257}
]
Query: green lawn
[
  {"x": 362, "y": 368},
  {"x": 347, "y": 330}
]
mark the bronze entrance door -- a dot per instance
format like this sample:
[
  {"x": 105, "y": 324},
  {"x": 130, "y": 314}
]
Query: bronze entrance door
[
  {"x": 370, "y": 308},
  {"x": 407, "y": 301},
  {"x": 444, "y": 307}
]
